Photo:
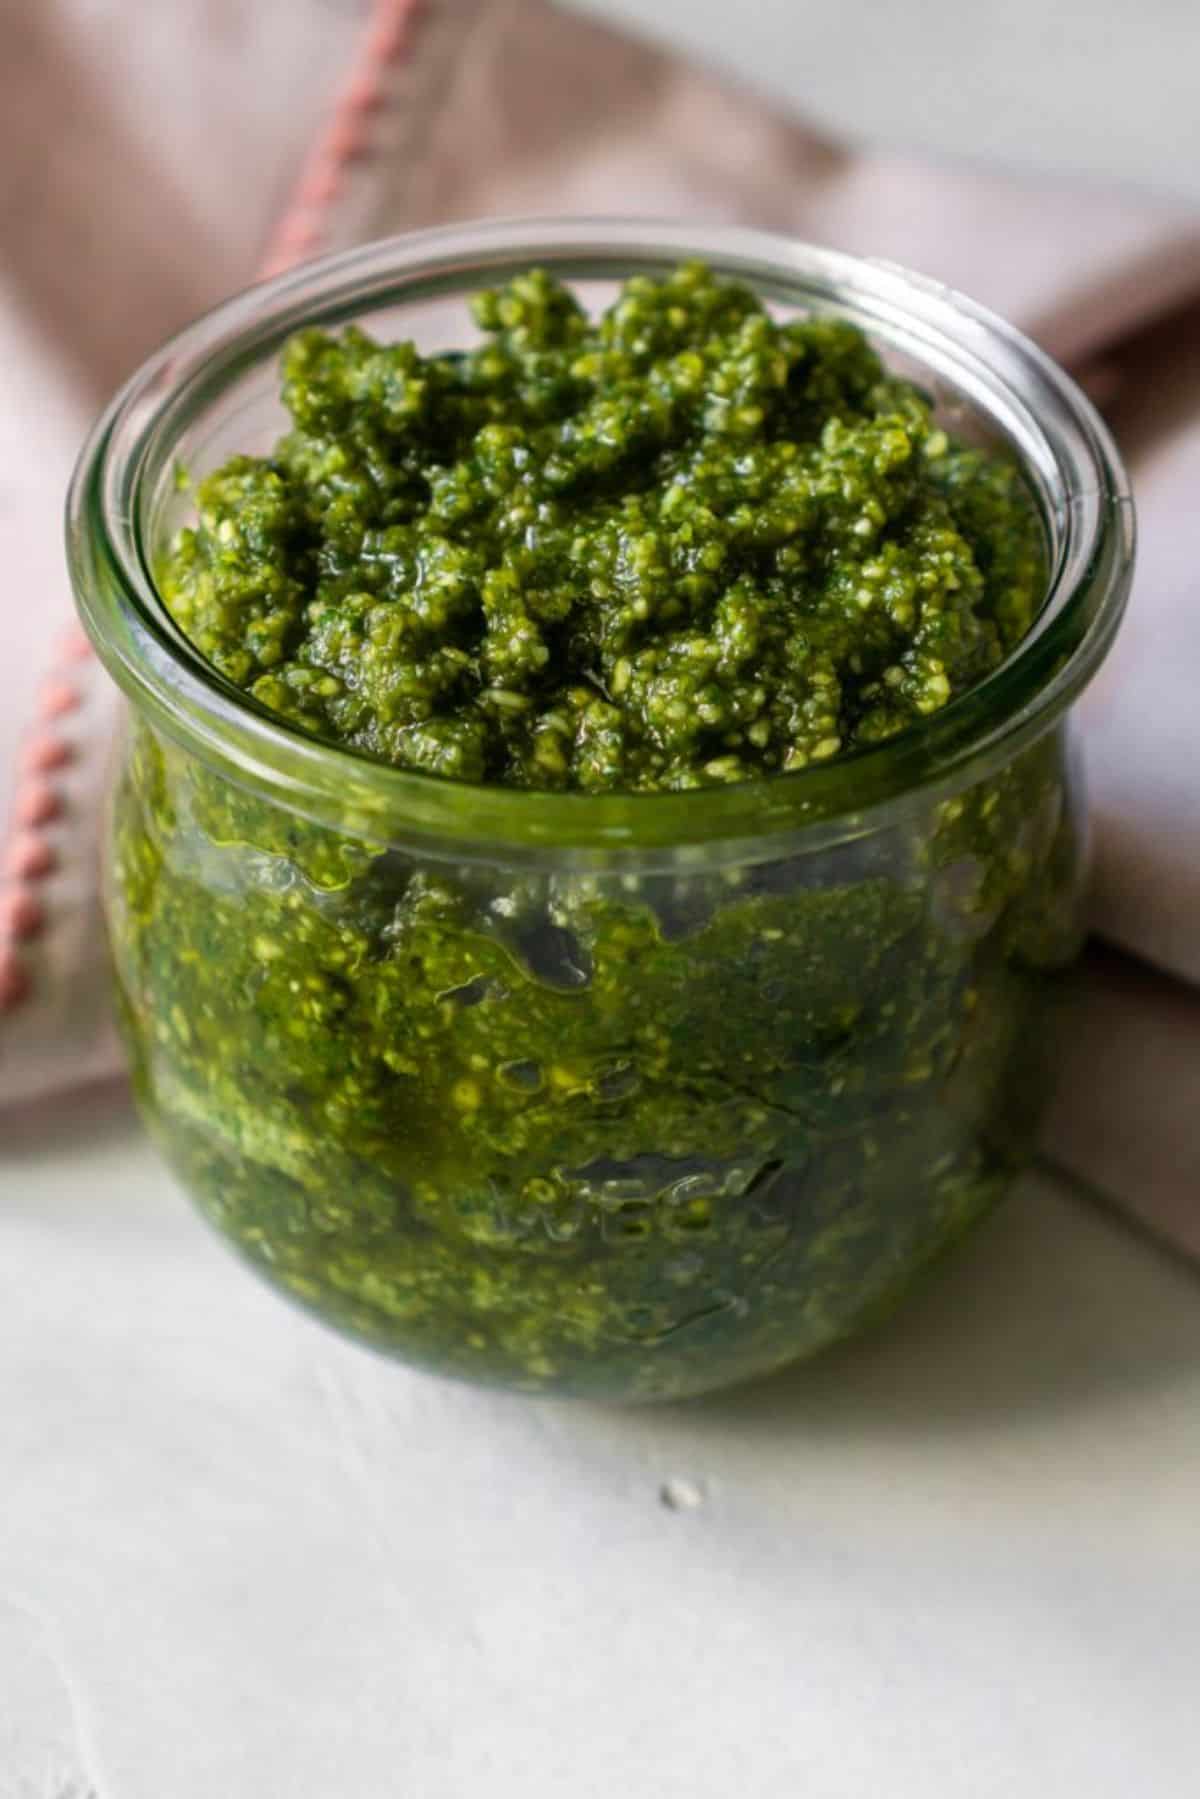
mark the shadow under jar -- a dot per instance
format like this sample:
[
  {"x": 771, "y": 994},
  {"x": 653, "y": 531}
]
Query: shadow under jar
[{"x": 631, "y": 1096}]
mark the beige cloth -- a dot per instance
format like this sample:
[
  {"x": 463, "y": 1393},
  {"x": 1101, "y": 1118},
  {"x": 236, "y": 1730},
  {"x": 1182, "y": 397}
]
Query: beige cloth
[{"x": 145, "y": 153}]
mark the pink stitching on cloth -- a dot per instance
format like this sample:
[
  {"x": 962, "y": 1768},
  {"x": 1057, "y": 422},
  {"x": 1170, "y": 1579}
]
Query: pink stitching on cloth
[
  {"x": 15, "y": 984},
  {"x": 42, "y": 755},
  {"x": 389, "y": 38},
  {"x": 38, "y": 804},
  {"x": 365, "y": 93},
  {"x": 347, "y": 136},
  {"x": 75, "y": 645},
  {"x": 22, "y": 913},
  {"x": 297, "y": 237},
  {"x": 30, "y": 857},
  {"x": 58, "y": 698},
  {"x": 320, "y": 187}
]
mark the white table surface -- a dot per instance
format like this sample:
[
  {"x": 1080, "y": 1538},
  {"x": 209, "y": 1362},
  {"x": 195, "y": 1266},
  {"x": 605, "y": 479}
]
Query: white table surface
[{"x": 240, "y": 1559}]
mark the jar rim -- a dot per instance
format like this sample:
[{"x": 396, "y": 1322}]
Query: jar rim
[{"x": 1064, "y": 447}]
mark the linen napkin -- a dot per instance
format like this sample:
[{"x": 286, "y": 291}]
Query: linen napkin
[{"x": 173, "y": 147}]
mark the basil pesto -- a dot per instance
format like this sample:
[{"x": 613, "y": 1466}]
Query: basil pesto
[
  {"x": 633, "y": 1131},
  {"x": 679, "y": 545}
]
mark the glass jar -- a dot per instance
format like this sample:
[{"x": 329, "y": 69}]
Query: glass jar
[{"x": 628, "y": 1096}]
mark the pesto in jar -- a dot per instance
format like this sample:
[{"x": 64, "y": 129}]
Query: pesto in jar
[
  {"x": 679, "y": 545},
  {"x": 638, "y": 1130}
]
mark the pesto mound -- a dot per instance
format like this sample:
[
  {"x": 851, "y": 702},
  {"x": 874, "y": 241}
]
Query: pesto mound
[{"x": 677, "y": 545}]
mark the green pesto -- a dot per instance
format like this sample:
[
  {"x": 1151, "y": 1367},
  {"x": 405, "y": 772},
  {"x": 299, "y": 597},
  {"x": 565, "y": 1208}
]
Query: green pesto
[
  {"x": 677, "y": 545},
  {"x": 628, "y": 1135}
]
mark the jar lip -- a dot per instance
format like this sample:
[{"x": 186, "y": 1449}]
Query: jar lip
[{"x": 1063, "y": 444}]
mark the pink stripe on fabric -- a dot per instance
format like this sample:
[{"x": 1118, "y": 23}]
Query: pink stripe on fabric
[
  {"x": 346, "y": 138},
  {"x": 15, "y": 984},
  {"x": 30, "y": 858},
  {"x": 320, "y": 187},
  {"x": 74, "y": 645},
  {"x": 38, "y": 804},
  {"x": 22, "y": 913},
  {"x": 389, "y": 34},
  {"x": 44, "y": 754},
  {"x": 57, "y": 698}
]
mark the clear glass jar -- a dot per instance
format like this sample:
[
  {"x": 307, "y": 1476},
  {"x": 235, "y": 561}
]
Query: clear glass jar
[{"x": 631, "y": 1096}]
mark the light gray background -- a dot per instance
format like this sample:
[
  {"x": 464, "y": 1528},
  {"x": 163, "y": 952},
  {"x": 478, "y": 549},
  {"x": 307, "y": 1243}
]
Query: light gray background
[{"x": 1092, "y": 87}]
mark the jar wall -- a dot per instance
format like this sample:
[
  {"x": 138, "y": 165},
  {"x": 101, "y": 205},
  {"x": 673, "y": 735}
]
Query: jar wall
[
  {"x": 625, "y": 1095},
  {"x": 633, "y": 1133}
]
